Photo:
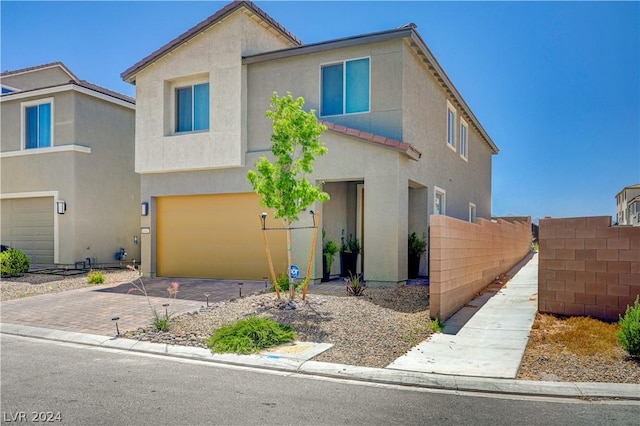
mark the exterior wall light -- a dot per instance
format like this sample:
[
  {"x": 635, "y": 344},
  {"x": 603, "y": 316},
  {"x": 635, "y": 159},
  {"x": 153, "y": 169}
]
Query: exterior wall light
[
  {"x": 61, "y": 206},
  {"x": 144, "y": 209}
]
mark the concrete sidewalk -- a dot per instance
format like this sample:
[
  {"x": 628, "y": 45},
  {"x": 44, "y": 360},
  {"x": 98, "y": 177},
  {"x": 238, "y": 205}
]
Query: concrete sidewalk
[{"x": 489, "y": 344}]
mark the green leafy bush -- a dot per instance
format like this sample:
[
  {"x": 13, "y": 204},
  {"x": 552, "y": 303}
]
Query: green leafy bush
[
  {"x": 283, "y": 283},
  {"x": 250, "y": 335},
  {"x": 161, "y": 322},
  {"x": 629, "y": 333},
  {"x": 95, "y": 277},
  {"x": 13, "y": 262},
  {"x": 436, "y": 325}
]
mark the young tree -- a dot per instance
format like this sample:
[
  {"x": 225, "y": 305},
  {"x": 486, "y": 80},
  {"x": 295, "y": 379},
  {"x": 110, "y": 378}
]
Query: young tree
[{"x": 283, "y": 184}]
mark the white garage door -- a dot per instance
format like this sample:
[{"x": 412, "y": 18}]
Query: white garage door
[{"x": 27, "y": 224}]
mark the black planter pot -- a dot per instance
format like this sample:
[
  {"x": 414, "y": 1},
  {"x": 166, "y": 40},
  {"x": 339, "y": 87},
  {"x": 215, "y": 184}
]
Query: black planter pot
[
  {"x": 349, "y": 263},
  {"x": 326, "y": 274},
  {"x": 414, "y": 266}
]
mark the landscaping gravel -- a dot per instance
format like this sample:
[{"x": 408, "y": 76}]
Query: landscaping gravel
[{"x": 372, "y": 330}]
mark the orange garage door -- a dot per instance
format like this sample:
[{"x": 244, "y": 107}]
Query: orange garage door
[{"x": 215, "y": 236}]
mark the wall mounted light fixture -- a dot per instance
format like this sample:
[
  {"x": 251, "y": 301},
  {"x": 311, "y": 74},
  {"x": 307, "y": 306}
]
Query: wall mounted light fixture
[
  {"x": 144, "y": 209},
  {"x": 61, "y": 206}
]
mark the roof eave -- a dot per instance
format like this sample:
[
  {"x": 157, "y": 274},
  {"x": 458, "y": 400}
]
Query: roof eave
[
  {"x": 328, "y": 45},
  {"x": 129, "y": 74},
  {"x": 439, "y": 73}
]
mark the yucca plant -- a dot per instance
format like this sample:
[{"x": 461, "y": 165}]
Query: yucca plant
[{"x": 355, "y": 287}]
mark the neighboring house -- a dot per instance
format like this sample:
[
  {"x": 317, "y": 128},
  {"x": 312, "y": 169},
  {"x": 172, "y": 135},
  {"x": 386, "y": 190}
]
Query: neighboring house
[
  {"x": 628, "y": 205},
  {"x": 403, "y": 144},
  {"x": 69, "y": 190}
]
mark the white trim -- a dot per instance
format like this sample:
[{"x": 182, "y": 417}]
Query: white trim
[
  {"x": 464, "y": 155},
  {"x": 13, "y": 89},
  {"x": 443, "y": 206},
  {"x": 344, "y": 86},
  {"x": 450, "y": 108},
  {"x": 35, "y": 102},
  {"x": 56, "y": 224},
  {"x": 58, "y": 89},
  {"x": 472, "y": 206},
  {"x": 49, "y": 150}
]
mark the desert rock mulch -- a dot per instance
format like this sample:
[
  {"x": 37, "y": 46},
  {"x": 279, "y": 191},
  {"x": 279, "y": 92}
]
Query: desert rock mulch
[{"x": 372, "y": 330}]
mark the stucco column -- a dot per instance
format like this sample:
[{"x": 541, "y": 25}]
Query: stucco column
[{"x": 385, "y": 230}]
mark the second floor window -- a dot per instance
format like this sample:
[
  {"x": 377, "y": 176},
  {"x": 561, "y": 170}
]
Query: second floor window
[
  {"x": 37, "y": 126},
  {"x": 463, "y": 139},
  {"x": 451, "y": 126},
  {"x": 439, "y": 201},
  {"x": 345, "y": 87},
  {"x": 192, "y": 108}
]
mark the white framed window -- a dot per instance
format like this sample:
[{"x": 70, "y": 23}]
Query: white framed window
[
  {"x": 37, "y": 123},
  {"x": 192, "y": 108},
  {"x": 345, "y": 87},
  {"x": 439, "y": 201},
  {"x": 472, "y": 213},
  {"x": 464, "y": 144},
  {"x": 451, "y": 126}
]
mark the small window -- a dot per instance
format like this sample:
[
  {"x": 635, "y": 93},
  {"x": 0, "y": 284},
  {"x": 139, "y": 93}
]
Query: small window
[
  {"x": 463, "y": 139},
  {"x": 192, "y": 108},
  {"x": 439, "y": 201},
  {"x": 37, "y": 124},
  {"x": 451, "y": 126},
  {"x": 472, "y": 213},
  {"x": 345, "y": 87}
]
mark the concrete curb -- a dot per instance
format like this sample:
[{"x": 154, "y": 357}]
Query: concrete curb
[{"x": 300, "y": 363}]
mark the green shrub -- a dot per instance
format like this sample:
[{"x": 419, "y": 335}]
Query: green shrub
[
  {"x": 13, "y": 262},
  {"x": 250, "y": 335},
  {"x": 436, "y": 325},
  {"x": 283, "y": 283},
  {"x": 161, "y": 323},
  {"x": 629, "y": 333},
  {"x": 95, "y": 277}
]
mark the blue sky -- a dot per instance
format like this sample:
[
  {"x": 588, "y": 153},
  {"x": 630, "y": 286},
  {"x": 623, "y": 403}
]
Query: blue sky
[{"x": 555, "y": 84}]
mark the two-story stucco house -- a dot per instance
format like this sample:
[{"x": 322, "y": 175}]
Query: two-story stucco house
[
  {"x": 403, "y": 145},
  {"x": 69, "y": 190},
  {"x": 628, "y": 205}
]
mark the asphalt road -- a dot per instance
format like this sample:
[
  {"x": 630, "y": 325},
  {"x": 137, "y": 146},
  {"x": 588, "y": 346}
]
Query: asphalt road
[{"x": 82, "y": 385}]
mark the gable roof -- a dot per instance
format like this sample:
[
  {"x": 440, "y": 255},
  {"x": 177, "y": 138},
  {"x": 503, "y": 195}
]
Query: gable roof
[
  {"x": 129, "y": 74},
  {"x": 408, "y": 32},
  {"x": 395, "y": 144},
  {"x": 40, "y": 67}
]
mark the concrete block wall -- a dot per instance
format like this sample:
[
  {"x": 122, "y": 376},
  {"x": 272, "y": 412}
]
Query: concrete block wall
[
  {"x": 466, "y": 257},
  {"x": 587, "y": 267}
]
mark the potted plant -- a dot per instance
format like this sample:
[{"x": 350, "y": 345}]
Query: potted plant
[
  {"x": 329, "y": 250},
  {"x": 349, "y": 256},
  {"x": 417, "y": 247}
]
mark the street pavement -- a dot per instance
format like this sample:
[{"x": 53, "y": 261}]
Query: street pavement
[{"x": 479, "y": 351}]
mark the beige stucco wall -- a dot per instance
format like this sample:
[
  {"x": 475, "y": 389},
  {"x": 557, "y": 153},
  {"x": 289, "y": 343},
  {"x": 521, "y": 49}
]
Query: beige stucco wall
[
  {"x": 63, "y": 123},
  {"x": 425, "y": 127},
  {"x": 100, "y": 187},
  {"x": 213, "y": 56},
  {"x": 300, "y": 75},
  {"x": 35, "y": 79}
]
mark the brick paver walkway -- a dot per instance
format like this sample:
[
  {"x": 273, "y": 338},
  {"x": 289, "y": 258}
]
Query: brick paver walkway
[{"x": 91, "y": 309}]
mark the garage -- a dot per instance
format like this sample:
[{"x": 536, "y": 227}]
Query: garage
[
  {"x": 215, "y": 236},
  {"x": 27, "y": 224}
]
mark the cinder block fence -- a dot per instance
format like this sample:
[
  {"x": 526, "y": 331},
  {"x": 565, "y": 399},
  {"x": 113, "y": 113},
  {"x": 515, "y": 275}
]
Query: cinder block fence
[
  {"x": 588, "y": 267},
  {"x": 466, "y": 257}
]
